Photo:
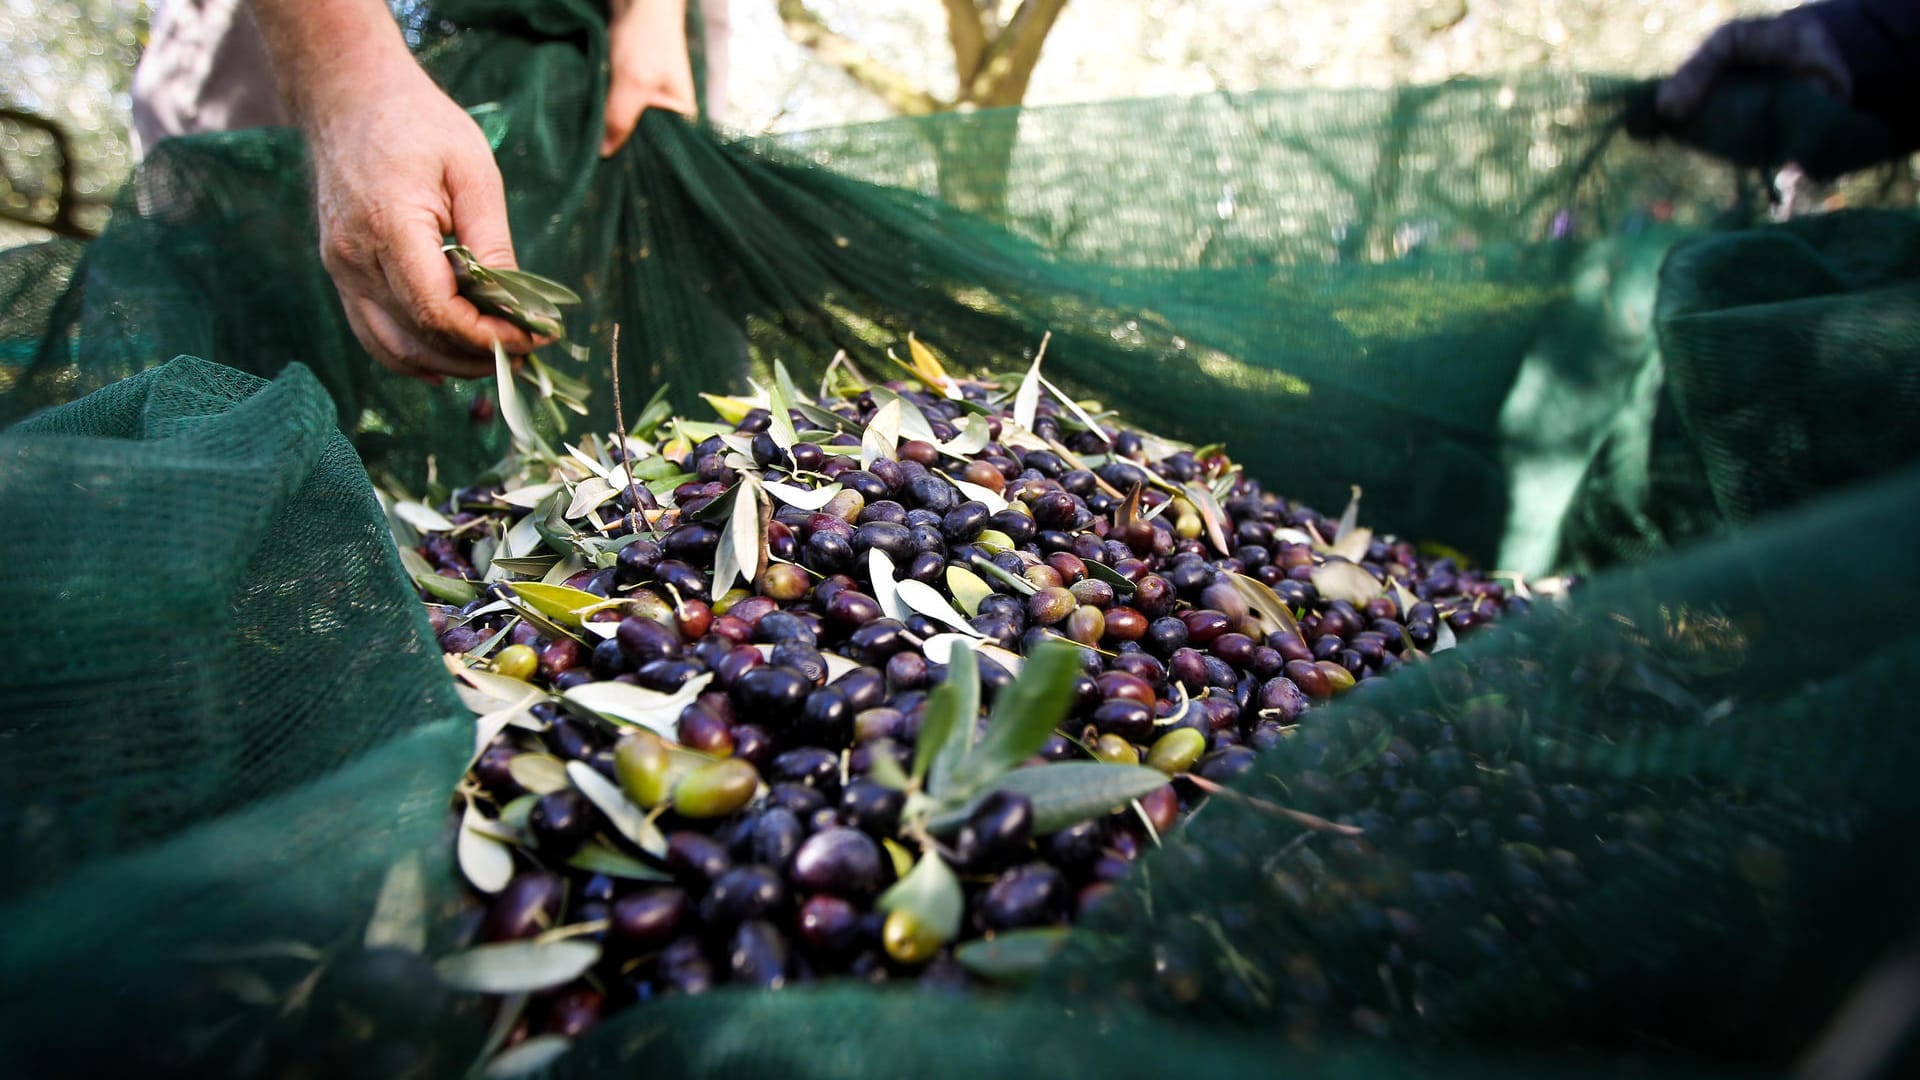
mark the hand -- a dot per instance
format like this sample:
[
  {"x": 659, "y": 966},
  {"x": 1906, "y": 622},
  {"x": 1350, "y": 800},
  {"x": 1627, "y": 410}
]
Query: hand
[
  {"x": 651, "y": 69},
  {"x": 398, "y": 166},
  {"x": 1792, "y": 43}
]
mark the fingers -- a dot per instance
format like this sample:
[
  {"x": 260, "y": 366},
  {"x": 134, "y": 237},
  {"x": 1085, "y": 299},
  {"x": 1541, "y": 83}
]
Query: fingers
[
  {"x": 425, "y": 295},
  {"x": 625, "y": 101}
]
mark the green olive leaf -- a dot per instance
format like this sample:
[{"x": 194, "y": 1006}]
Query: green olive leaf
[
  {"x": 967, "y": 588},
  {"x": 597, "y": 858},
  {"x": 946, "y": 733},
  {"x": 1026, "y": 712},
  {"x": 517, "y": 966},
  {"x": 913, "y": 422},
  {"x": 1073, "y": 407},
  {"x": 993, "y": 570},
  {"x": 1011, "y": 956},
  {"x": 779, "y": 413},
  {"x": 808, "y": 499},
  {"x": 1266, "y": 603},
  {"x": 1065, "y": 793},
  {"x": 422, "y": 517},
  {"x": 739, "y": 551},
  {"x": 557, "y": 602},
  {"x": 444, "y": 589},
  {"x": 1122, "y": 584},
  {"x": 513, "y": 409},
  {"x": 931, "y": 893},
  {"x": 546, "y": 288},
  {"x": 971, "y": 435},
  {"x": 1026, "y": 402}
]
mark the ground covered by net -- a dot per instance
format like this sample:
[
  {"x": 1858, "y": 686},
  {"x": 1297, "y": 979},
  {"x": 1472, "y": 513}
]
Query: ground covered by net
[{"x": 230, "y": 746}]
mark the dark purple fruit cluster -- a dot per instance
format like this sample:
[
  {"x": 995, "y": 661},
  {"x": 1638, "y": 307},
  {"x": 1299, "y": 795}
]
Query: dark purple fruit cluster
[{"x": 1208, "y": 616}]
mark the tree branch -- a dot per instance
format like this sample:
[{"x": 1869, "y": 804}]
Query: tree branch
[
  {"x": 810, "y": 32},
  {"x": 1010, "y": 59},
  {"x": 63, "y": 222},
  {"x": 967, "y": 32}
]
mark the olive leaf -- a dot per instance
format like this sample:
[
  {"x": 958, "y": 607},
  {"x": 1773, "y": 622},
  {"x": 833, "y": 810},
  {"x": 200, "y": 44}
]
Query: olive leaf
[
  {"x": 597, "y": 858},
  {"x": 444, "y": 589},
  {"x": 913, "y": 422},
  {"x": 527, "y": 1058},
  {"x": 1342, "y": 580},
  {"x": 1011, "y": 956},
  {"x": 880, "y": 569},
  {"x": 971, "y": 435},
  {"x": 540, "y": 774},
  {"x": 837, "y": 665},
  {"x": 946, "y": 732},
  {"x": 1122, "y": 584},
  {"x": 512, "y": 408},
  {"x": 517, "y": 966},
  {"x": 560, "y": 603},
  {"x": 637, "y": 705},
  {"x": 730, "y": 409},
  {"x": 1065, "y": 793},
  {"x": 931, "y": 894},
  {"x": 1026, "y": 401},
  {"x": 399, "y": 918},
  {"x": 491, "y": 691},
  {"x": 885, "y": 769},
  {"x": 422, "y": 517},
  {"x": 1011, "y": 580},
  {"x": 967, "y": 588},
  {"x": 589, "y": 494},
  {"x": 1025, "y": 713},
  {"x": 780, "y": 417},
  {"x": 626, "y": 816},
  {"x": 529, "y": 301},
  {"x": 1073, "y": 407},
  {"x": 926, "y": 600},
  {"x": 799, "y": 497},
  {"x": 1443, "y": 636},
  {"x": 1264, "y": 601},
  {"x": 485, "y": 861},
  {"x": 826, "y": 418},
  {"x": 930, "y": 370},
  {"x": 881, "y": 439},
  {"x": 739, "y": 551},
  {"x": 1349, "y": 518},
  {"x": 1210, "y": 514},
  {"x": 995, "y": 502}
]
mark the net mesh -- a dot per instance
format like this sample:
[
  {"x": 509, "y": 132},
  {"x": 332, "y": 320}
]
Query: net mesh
[{"x": 230, "y": 745}]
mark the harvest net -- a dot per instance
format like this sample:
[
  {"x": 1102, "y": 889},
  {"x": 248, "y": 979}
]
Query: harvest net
[{"x": 231, "y": 744}]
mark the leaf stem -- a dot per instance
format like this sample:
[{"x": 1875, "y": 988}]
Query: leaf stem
[{"x": 1299, "y": 817}]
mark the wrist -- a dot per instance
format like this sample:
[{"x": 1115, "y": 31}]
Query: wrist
[{"x": 333, "y": 57}]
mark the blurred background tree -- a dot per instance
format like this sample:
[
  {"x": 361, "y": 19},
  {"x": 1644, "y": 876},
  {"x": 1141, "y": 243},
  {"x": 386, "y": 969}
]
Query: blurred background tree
[{"x": 65, "y": 65}]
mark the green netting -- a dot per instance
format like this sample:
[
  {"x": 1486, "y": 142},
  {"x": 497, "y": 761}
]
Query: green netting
[{"x": 228, "y": 739}]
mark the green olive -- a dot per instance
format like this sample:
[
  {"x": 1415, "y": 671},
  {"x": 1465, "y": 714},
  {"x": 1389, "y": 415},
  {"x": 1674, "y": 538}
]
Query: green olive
[
  {"x": 642, "y": 763},
  {"x": 516, "y": 662},
  {"x": 1177, "y": 750},
  {"x": 1115, "y": 750},
  {"x": 908, "y": 940},
  {"x": 1338, "y": 677},
  {"x": 715, "y": 790}
]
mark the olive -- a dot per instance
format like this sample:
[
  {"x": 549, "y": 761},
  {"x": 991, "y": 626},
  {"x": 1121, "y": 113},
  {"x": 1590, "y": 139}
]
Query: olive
[
  {"x": 757, "y": 955},
  {"x": 829, "y": 924},
  {"x": 652, "y": 917},
  {"x": 910, "y": 940},
  {"x": 684, "y": 967},
  {"x": 776, "y": 834},
  {"x": 715, "y": 789},
  {"x": 527, "y": 906},
  {"x": 1309, "y": 678},
  {"x": 1076, "y": 845},
  {"x": 838, "y": 860},
  {"x": 811, "y": 766},
  {"x": 872, "y": 807},
  {"x": 1030, "y": 895},
  {"x": 699, "y": 729},
  {"x": 850, "y": 610},
  {"x": 996, "y": 832},
  {"x": 799, "y": 798},
  {"x": 1177, "y": 750},
  {"x": 1125, "y": 718},
  {"x": 1115, "y": 750},
  {"x": 783, "y": 582},
  {"x": 636, "y": 562},
  {"x": 641, "y": 763},
  {"x": 770, "y": 693},
  {"x": 1223, "y": 765},
  {"x": 696, "y": 859},
  {"x": 877, "y": 640},
  {"x": 742, "y": 893},
  {"x": 801, "y": 657},
  {"x": 515, "y": 662},
  {"x": 560, "y": 822},
  {"x": 895, "y": 539}
]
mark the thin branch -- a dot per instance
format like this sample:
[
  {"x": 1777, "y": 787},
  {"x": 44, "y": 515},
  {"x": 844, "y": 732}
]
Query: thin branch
[
  {"x": 811, "y": 32},
  {"x": 967, "y": 32},
  {"x": 63, "y": 223},
  {"x": 1008, "y": 66}
]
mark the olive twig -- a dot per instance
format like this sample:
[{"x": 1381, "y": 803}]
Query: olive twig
[{"x": 1298, "y": 817}]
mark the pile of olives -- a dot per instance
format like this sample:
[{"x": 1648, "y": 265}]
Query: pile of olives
[{"x": 776, "y": 817}]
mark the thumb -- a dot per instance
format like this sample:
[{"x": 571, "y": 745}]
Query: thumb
[
  {"x": 626, "y": 100},
  {"x": 478, "y": 204}
]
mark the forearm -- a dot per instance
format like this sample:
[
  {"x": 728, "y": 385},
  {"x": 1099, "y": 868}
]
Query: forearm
[{"x": 326, "y": 52}]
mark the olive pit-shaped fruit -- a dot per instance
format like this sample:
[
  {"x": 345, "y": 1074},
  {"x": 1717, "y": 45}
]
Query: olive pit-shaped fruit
[
  {"x": 839, "y": 860},
  {"x": 716, "y": 789}
]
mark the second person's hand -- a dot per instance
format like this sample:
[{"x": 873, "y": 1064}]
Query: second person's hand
[{"x": 647, "y": 45}]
